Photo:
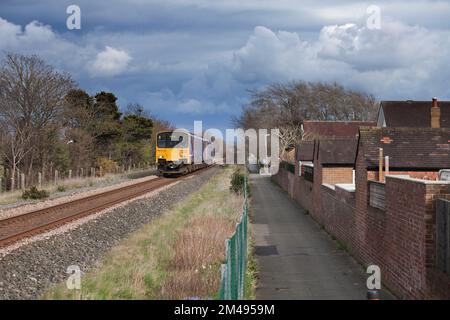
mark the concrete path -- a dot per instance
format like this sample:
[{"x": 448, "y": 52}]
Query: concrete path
[{"x": 298, "y": 260}]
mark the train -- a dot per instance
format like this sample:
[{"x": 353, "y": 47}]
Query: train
[{"x": 176, "y": 151}]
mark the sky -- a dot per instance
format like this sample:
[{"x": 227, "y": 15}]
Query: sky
[{"x": 187, "y": 60}]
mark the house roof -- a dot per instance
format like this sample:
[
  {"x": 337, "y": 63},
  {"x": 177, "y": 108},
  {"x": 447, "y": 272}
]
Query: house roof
[
  {"x": 317, "y": 129},
  {"x": 305, "y": 151},
  {"x": 407, "y": 148},
  {"x": 341, "y": 151},
  {"x": 412, "y": 113}
]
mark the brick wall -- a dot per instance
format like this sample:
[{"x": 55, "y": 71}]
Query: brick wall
[
  {"x": 333, "y": 175},
  {"x": 400, "y": 239},
  {"x": 296, "y": 186},
  {"x": 426, "y": 175},
  {"x": 404, "y": 264},
  {"x": 338, "y": 216}
]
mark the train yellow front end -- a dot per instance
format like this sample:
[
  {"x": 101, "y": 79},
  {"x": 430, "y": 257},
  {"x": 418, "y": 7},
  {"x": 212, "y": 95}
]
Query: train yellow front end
[
  {"x": 173, "y": 152},
  {"x": 177, "y": 150}
]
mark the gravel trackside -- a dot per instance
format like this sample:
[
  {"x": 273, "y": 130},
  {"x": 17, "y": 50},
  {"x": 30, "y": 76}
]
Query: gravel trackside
[{"x": 26, "y": 272}]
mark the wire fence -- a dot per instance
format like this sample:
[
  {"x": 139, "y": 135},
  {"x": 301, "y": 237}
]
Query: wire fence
[
  {"x": 232, "y": 281},
  {"x": 20, "y": 181}
]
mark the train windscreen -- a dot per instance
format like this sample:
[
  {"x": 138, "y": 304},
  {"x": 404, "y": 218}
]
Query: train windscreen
[{"x": 172, "y": 140}]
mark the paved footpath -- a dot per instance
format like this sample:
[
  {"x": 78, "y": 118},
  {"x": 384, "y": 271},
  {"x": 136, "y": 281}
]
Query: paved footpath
[{"x": 298, "y": 260}]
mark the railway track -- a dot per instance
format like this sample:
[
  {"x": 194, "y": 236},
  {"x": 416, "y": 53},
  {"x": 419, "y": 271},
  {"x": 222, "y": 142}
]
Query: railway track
[{"x": 36, "y": 222}]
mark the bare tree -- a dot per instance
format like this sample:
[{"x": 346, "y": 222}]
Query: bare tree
[
  {"x": 31, "y": 104},
  {"x": 288, "y": 136},
  {"x": 14, "y": 146},
  {"x": 286, "y": 106}
]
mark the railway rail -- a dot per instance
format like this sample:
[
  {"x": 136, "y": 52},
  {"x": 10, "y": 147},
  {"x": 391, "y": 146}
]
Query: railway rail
[{"x": 36, "y": 222}]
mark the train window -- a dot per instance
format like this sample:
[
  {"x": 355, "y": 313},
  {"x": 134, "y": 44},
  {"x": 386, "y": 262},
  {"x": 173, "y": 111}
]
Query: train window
[{"x": 172, "y": 140}]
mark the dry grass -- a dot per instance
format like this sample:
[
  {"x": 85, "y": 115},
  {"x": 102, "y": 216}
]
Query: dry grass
[
  {"x": 12, "y": 197},
  {"x": 177, "y": 256},
  {"x": 194, "y": 270}
]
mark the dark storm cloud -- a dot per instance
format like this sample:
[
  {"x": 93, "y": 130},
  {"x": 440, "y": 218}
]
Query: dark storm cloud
[{"x": 199, "y": 57}]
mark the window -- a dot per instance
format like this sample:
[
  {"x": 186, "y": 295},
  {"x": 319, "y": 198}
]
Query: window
[{"x": 172, "y": 140}]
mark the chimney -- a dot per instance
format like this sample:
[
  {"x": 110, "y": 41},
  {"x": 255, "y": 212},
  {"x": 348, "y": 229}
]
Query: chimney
[{"x": 435, "y": 114}]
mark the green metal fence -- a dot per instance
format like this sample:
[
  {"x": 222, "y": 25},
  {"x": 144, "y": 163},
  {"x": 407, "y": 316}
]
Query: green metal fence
[{"x": 234, "y": 269}]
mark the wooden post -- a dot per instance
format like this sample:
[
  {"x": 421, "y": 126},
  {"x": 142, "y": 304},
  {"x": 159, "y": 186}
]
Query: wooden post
[
  {"x": 40, "y": 180},
  {"x": 380, "y": 165},
  {"x": 22, "y": 181},
  {"x": 56, "y": 176},
  {"x": 12, "y": 184},
  {"x": 18, "y": 179},
  {"x": 1, "y": 184},
  {"x": 101, "y": 171},
  {"x": 386, "y": 164},
  {"x": 70, "y": 174}
]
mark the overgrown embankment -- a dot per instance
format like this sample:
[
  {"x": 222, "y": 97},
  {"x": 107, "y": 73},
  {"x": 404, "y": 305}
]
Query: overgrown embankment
[{"x": 177, "y": 256}]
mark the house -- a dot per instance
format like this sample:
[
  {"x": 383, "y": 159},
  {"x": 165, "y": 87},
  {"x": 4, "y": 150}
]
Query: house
[
  {"x": 416, "y": 114},
  {"x": 336, "y": 158},
  {"x": 304, "y": 154},
  {"x": 385, "y": 213},
  {"x": 332, "y": 129},
  {"x": 417, "y": 152}
]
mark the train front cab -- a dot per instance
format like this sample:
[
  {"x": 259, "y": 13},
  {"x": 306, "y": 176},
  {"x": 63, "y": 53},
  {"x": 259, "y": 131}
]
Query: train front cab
[{"x": 173, "y": 153}]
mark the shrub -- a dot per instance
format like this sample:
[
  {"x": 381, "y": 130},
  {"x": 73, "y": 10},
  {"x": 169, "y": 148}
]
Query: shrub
[
  {"x": 35, "y": 194},
  {"x": 61, "y": 188},
  {"x": 237, "y": 181},
  {"x": 107, "y": 165}
]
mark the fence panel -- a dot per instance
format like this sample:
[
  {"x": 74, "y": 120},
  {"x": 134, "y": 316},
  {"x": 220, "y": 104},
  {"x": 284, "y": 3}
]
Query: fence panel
[
  {"x": 377, "y": 195},
  {"x": 234, "y": 269}
]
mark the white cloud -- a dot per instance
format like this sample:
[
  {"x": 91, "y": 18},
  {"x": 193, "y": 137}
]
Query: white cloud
[
  {"x": 398, "y": 61},
  {"x": 40, "y": 39},
  {"x": 110, "y": 62},
  {"x": 205, "y": 62}
]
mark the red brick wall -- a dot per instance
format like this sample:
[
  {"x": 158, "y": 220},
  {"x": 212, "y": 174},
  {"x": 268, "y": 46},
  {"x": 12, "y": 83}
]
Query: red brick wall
[
  {"x": 333, "y": 175},
  {"x": 338, "y": 214},
  {"x": 281, "y": 178},
  {"x": 297, "y": 187},
  {"x": 426, "y": 175},
  {"x": 404, "y": 264},
  {"x": 400, "y": 239}
]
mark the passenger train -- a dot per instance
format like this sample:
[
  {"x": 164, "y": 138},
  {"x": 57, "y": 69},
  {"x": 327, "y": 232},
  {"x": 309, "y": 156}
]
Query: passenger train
[{"x": 176, "y": 151}]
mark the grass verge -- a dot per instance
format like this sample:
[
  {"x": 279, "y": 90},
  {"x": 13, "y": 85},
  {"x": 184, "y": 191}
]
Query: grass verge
[{"x": 177, "y": 256}]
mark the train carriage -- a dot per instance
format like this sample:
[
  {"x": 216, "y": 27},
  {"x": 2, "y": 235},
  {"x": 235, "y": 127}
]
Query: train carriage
[{"x": 176, "y": 151}]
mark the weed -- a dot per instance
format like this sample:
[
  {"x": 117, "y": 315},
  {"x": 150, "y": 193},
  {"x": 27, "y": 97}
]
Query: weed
[{"x": 35, "y": 194}]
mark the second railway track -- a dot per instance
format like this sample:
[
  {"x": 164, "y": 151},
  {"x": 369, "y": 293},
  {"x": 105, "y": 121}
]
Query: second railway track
[{"x": 36, "y": 222}]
